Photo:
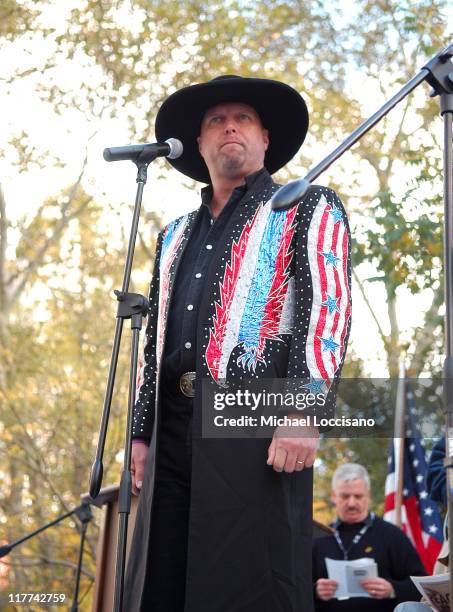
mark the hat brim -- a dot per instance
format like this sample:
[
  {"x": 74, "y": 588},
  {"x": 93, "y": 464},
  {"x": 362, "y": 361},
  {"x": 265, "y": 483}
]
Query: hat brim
[{"x": 282, "y": 110}]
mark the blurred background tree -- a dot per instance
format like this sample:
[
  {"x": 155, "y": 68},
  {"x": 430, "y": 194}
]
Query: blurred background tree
[{"x": 93, "y": 62}]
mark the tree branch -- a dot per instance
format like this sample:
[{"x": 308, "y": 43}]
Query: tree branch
[
  {"x": 424, "y": 338},
  {"x": 144, "y": 246},
  {"x": 43, "y": 560},
  {"x": 61, "y": 225},
  {"x": 39, "y": 457},
  {"x": 28, "y": 72},
  {"x": 393, "y": 348},
  {"x": 41, "y": 468},
  {"x": 396, "y": 141},
  {"x": 367, "y": 302}
]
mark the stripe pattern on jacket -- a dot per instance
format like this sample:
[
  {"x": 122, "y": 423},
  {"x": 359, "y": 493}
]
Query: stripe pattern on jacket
[{"x": 253, "y": 292}]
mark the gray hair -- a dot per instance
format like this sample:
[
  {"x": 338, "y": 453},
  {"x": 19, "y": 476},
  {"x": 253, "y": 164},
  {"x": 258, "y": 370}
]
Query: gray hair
[{"x": 348, "y": 472}]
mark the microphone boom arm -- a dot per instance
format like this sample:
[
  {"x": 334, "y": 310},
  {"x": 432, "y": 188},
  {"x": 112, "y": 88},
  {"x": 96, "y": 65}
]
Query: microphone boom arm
[{"x": 437, "y": 72}]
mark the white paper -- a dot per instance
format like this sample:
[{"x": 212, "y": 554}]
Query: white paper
[
  {"x": 436, "y": 589},
  {"x": 349, "y": 575}
]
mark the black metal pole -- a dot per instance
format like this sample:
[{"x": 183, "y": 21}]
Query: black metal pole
[
  {"x": 295, "y": 190},
  {"x": 83, "y": 513},
  {"x": 7, "y": 548},
  {"x": 124, "y": 496},
  {"x": 75, "y": 598},
  {"x": 366, "y": 126},
  {"x": 85, "y": 516},
  {"x": 447, "y": 112},
  {"x": 130, "y": 306},
  {"x": 97, "y": 469}
]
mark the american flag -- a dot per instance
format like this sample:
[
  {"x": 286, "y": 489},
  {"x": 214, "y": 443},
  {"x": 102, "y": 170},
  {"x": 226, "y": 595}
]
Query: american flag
[{"x": 420, "y": 517}]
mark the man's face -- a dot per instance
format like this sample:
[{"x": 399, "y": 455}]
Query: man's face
[
  {"x": 351, "y": 499},
  {"x": 232, "y": 141}
]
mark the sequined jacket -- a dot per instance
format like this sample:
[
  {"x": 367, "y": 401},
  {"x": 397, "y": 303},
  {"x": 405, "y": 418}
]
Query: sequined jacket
[{"x": 277, "y": 301}]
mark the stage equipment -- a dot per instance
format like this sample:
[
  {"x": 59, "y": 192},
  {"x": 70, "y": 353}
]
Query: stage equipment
[
  {"x": 131, "y": 306},
  {"x": 438, "y": 73},
  {"x": 83, "y": 513},
  {"x": 171, "y": 148}
]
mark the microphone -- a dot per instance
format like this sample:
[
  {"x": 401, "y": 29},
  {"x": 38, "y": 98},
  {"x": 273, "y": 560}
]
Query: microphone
[
  {"x": 171, "y": 148},
  {"x": 289, "y": 194}
]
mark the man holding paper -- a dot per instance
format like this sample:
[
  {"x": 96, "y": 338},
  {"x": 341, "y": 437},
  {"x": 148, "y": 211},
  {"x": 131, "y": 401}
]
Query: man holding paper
[{"x": 380, "y": 580}]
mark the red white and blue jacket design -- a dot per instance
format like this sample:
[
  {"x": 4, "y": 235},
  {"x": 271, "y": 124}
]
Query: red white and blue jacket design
[{"x": 277, "y": 301}]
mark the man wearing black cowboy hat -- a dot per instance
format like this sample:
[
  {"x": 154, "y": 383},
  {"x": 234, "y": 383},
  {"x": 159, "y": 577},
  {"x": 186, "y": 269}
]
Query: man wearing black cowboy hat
[{"x": 239, "y": 291}]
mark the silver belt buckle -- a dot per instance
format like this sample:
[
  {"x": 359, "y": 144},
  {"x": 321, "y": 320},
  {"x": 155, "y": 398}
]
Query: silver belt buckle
[{"x": 187, "y": 384}]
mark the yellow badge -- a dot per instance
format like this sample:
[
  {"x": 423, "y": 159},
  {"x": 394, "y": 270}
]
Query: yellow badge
[{"x": 369, "y": 549}]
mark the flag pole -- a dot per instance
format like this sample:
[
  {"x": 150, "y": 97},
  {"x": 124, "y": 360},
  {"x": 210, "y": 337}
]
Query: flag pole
[{"x": 400, "y": 412}]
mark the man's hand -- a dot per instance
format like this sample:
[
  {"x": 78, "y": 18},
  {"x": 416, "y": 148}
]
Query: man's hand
[
  {"x": 378, "y": 587},
  {"x": 138, "y": 459},
  {"x": 325, "y": 588},
  {"x": 293, "y": 448}
]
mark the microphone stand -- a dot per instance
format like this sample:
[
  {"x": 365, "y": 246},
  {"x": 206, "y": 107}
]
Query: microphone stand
[
  {"x": 131, "y": 306},
  {"x": 83, "y": 513},
  {"x": 438, "y": 72}
]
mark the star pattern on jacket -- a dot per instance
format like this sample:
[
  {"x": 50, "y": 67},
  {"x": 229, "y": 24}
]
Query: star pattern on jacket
[
  {"x": 336, "y": 213},
  {"x": 329, "y": 344},
  {"x": 331, "y": 303},
  {"x": 331, "y": 258}
]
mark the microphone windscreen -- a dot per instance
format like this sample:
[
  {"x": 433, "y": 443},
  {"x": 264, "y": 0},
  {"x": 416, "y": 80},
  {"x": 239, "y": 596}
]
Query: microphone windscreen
[{"x": 176, "y": 148}]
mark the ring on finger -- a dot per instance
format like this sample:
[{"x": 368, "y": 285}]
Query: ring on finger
[{"x": 301, "y": 462}]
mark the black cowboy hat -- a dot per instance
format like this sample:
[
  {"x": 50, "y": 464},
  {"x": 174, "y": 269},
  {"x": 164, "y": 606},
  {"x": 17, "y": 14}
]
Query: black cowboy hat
[{"x": 282, "y": 110}]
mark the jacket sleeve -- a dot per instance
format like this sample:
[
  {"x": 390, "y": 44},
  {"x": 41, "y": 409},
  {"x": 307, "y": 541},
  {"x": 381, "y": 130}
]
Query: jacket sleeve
[
  {"x": 144, "y": 409},
  {"x": 323, "y": 296}
]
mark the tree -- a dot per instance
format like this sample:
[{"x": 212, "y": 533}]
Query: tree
[
  {"x": 402, "y": 233},
  {"x": 51, "y": 406}
]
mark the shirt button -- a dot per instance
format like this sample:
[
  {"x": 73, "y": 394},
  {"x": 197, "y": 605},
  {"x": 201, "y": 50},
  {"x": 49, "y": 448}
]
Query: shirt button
[
  {"x": 198, "y": 275},
  {"x": 189, "y": 306},
  {"x": 188, "y": 345},
  {"x": 209, "y": 247}
]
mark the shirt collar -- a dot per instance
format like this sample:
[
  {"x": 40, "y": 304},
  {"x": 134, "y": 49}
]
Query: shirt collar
[
  {"x": 339, "y": 524},
  {"x": 250, "y": 181}
]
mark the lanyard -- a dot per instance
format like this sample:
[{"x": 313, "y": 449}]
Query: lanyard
[{"x": 356, "y": 539}]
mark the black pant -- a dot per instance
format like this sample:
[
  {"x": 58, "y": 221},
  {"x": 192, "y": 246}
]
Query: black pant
[{"x": 166, "y": 576}]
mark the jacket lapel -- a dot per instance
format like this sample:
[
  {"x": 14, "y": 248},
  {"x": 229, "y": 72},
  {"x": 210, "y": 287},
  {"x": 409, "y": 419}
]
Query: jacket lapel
[{"x": 174, "y": 242}]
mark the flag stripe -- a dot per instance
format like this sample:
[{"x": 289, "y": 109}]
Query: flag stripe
[{"x": 420, "y": 517}]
